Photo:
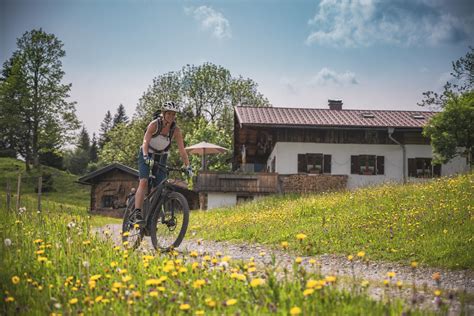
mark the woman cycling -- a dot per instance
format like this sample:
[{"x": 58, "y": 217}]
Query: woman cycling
[{"x": 156, "y": 144}]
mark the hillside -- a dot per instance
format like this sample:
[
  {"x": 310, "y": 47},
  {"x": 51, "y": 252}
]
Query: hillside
[
  {"x": 65, "y": 191},
  {"x": 431, "y": 223}
]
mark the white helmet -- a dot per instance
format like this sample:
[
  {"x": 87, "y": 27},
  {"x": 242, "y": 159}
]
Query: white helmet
[{"x": 171, "y": 106}]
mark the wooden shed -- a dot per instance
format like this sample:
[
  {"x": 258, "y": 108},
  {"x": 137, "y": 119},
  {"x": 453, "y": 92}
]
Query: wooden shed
[
  {"x": 112, "y": 184},
  {"x": 110, "y": 187}
]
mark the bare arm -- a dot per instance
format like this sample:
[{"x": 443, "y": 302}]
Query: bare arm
[
  {"x": 148, "y": 134},
  {"x": 178, "y": 137}
]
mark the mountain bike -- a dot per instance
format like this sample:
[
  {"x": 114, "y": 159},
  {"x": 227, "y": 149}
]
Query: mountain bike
[{"x": 166, "y": 214}]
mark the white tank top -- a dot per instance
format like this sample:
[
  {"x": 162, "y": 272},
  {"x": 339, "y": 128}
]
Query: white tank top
[{"x": 159, "y": 142}]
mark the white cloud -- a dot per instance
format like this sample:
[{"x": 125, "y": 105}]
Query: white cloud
[
  {"x": 327, "y": 76},
  {"x": 354, "y": 23},
  {"x": 289, "y": 84},
  {"x": 210, "y": 19}
]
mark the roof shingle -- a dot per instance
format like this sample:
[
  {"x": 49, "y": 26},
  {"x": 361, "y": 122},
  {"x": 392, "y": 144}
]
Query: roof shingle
[{"x": 330, "y": 118}]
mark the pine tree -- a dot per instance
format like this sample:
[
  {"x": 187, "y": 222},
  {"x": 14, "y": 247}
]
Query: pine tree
[
  {"x": 120, "y": 117},
  {"x": 105, "y": 127},
  {"x": 84, "y": 142},
  {"x": 93, "y": 157}
]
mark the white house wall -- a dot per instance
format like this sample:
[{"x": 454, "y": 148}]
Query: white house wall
[
  {"x": 216, "y": 199},
  {"x": 287, "y": 160}
]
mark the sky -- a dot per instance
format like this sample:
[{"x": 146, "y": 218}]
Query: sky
[{"x": 370, "y": 54}]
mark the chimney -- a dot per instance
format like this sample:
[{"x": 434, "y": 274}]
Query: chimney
[{"x": 335, "y": 104}]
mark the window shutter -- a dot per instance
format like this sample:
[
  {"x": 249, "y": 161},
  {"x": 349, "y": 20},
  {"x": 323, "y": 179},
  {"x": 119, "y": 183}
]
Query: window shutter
[
  {"x": 302, "y": 163},
  {"x": 354, "y": 164},
  {"x": 437, "y": 170},
  {"x": 380, "y": 165},
  {"x": 327, "y": 164},
  {"x": 411, "y": 167}
]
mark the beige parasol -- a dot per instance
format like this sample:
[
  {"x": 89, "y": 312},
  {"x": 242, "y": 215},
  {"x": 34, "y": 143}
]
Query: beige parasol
[{"x": 204, "y": 149}]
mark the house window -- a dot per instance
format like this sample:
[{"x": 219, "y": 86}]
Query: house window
[
  {"x": 367, "y": 164},
  {"x": 314, "y": 163},
  {"x": 107, "y": 201},
  {"x": 423, "y": 168}
]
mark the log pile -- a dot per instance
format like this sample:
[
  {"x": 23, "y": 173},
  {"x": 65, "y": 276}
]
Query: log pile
[{"x": 303, "y": 183}]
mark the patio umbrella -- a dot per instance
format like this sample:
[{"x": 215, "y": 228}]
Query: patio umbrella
[{"x": 204, "y": 149}]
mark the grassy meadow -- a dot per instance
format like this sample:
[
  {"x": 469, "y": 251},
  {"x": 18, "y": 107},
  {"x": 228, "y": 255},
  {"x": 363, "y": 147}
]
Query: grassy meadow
[
  {"x": 53, "y": 262},
  {"x": 431, "y": 223}
]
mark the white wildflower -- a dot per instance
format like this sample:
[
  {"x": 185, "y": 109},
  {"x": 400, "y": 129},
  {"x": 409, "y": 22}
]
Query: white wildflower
[
  {"x": 7, "y": 242},
  {"x": 86, "y": 264}
]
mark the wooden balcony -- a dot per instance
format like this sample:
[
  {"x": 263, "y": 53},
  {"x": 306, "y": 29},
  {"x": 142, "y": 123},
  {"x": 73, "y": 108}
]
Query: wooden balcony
[{"x": 212, "y": 181}]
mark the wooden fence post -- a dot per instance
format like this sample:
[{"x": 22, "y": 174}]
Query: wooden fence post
[
  {"x": 18, "y": 191},
  {"x": 9, "y": 195},
  {"x": 40, "y": 183}
]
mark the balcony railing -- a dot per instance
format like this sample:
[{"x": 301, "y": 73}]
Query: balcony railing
[{"x": 211, "y": 181}]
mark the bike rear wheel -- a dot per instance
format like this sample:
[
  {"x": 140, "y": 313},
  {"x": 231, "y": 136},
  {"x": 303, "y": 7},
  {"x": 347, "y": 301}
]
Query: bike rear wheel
[
  {"x": 170, "y": 222},
  {"x": 132, "y": 236}
]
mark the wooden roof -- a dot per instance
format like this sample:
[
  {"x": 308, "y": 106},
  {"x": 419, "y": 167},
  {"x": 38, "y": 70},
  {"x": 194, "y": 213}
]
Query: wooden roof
[{"x": 87, "y": 179}]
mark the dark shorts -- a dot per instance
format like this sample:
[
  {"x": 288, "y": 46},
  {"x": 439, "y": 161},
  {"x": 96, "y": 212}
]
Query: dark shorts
[{"x": 144, "y": 169}]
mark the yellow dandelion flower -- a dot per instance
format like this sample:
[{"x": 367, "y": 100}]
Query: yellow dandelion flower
[
  {"x": 153, "y": 294},
  {"x": 194, "y": 254},
  {"x": 386, "y": 282},
  {"x": 199, "y": 312},
  {"x": 312, "y": 261},
  {"x": 9, "y": 299},
  {"x": 86, "y": 242},
  {"x": 437, "y": 293},
  {"x": 184, "y": 307},
  {"x": 251, "y": 269},
  {"x": 95, "y": 277},
  {"x": 38, "y": 241},
  {"x": 126, "y": 234},
  {"x": 42, "y": 259},
  {"x": 361, "y": 254},
  {"x": 126, "y": 278},
  {"x": 99, "y": 298},
  {"x": 39, "y": 252},
  {"x": 15, "y": 279},
  {"x": 308, "y": 292},
  {"x": 210, "y": 302},
  {"x": 113, "y": 264},
  {"x": 364, "y": 283},
  {"x": 73, "y": 301},
  {"x": 330, "y": 279},
  {"x": 195, "y": 265},
  {"x": 350, "y": 257},
  {"x": 161, "y": 288},
  {"x": 123, "y": 271},
  {"x": 414, "y": 264},
  {"x": 295, "y": 310},
  {"x": 399, "y": 284},
  {"x": 301, "y": 237},
  {"x": 231, "y": 302},
  {"x": 226, "y": 258},
  {"x": 198, "y": 284},
  {"x": 298, "y": 260},
  {"x": 257, "y": 282},
  {"x": 284, "y": 244},
  {"x": 152, "y": 282},
  {"x": 391, "y": 274}
]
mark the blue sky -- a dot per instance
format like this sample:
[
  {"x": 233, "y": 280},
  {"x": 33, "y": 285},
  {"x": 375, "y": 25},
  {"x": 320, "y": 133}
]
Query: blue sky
[{"x": 370, "y": 54}]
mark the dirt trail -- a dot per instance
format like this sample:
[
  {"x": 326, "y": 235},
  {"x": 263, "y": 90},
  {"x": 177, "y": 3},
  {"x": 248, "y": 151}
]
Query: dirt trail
[{"x": 452, "y": 282}]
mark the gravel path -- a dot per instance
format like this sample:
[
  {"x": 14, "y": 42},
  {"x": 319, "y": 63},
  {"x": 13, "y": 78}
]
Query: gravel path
[{"x": 453, "y": 283}]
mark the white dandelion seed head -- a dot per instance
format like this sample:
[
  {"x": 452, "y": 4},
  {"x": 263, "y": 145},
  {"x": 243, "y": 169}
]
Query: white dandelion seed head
[{"x": 7, "y": 242}]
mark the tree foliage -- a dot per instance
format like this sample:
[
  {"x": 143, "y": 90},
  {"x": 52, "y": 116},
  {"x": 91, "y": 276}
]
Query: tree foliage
[
  {"x": 120, "y": 116},
  {"x": 34, "y": 98},
  {"x": 452, "y": 130},
  {"x": 207, "y": 94},
  {"x": 105, "y": 127},
  {"x": 462, "y": 81}
]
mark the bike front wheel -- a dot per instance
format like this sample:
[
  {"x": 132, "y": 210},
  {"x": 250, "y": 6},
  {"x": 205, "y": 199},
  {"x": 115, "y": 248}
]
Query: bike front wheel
[
  {"x": 132, "y": 236},
  {"x": 170, "y": 222}
]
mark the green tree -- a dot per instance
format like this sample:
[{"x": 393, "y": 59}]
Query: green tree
[
  {"x": 120, "y": 117},
  {"x": 94, "y": 150},
  {"x": 84, "y": 141},
  {"x": 105, "y": 127},
  {"x": 37, "y": 61},
  {"x": 462, "y": 81},
  {"x": 452, "y": 130}
]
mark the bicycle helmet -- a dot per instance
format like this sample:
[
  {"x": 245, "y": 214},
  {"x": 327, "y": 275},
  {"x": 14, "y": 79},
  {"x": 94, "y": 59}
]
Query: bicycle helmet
[{"x": 171, "y": 106}]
